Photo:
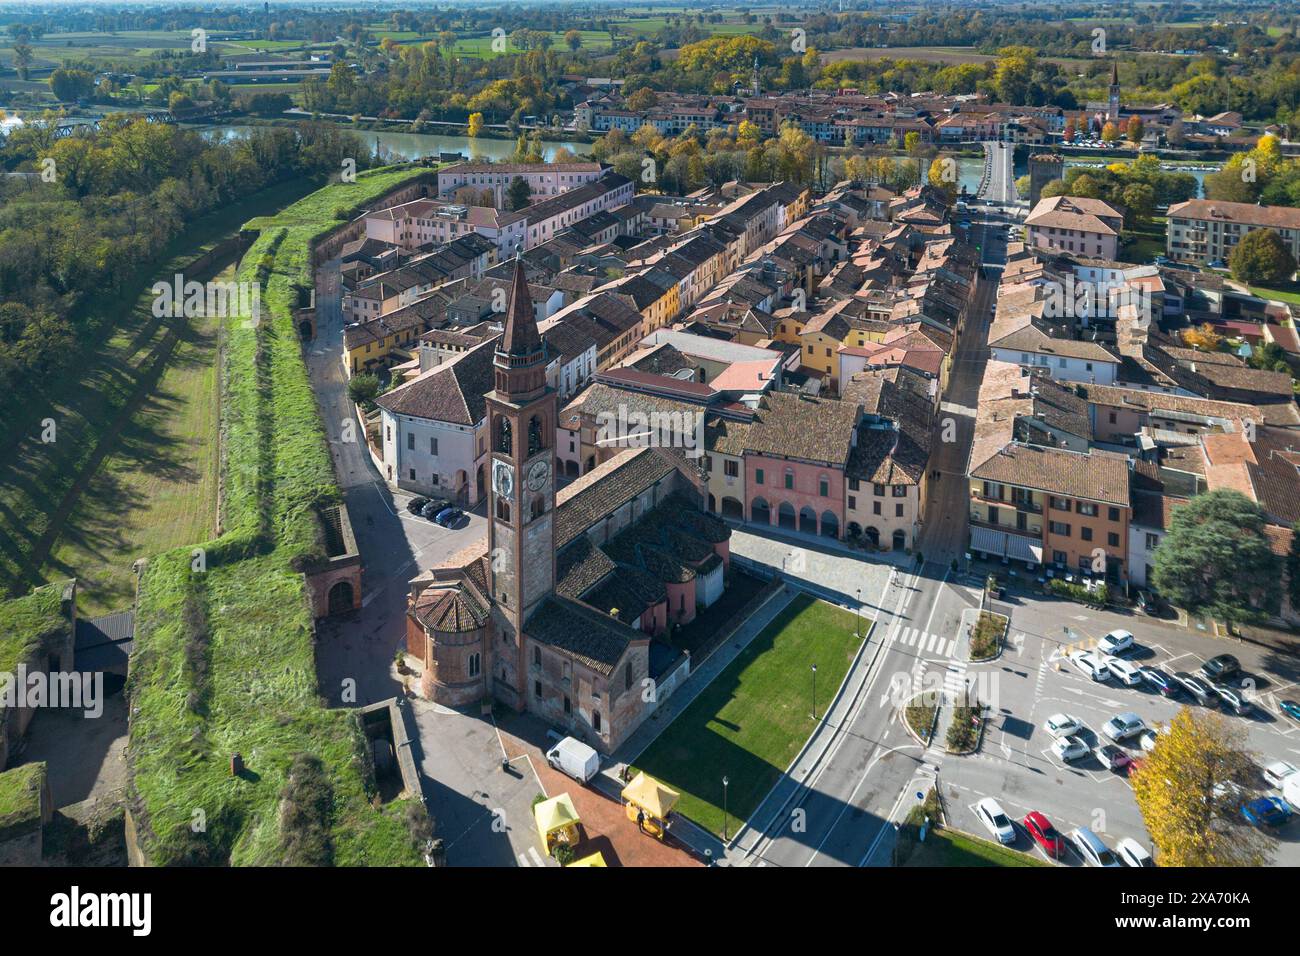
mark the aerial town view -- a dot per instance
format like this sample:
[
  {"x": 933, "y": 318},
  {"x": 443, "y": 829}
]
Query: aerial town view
[{"x": 599, "y": 434}]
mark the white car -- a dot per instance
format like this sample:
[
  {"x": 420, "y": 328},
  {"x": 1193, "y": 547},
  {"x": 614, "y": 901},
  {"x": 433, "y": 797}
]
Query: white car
[
  {"x": 1070, "y": 749},
  {"x": 1091, "y": 665},
  {"x": 1116, "y": 642},
  {"x": 1276, "y": 773},
  {"x": 1124, "y": 672},
  {"x": 1147, "y": 739},
  {"x": 1123, "y": 726},
  {"x": 995, "y": 819},
  {"x": 1062, "y": 725},
  {"x": 1133, "y": 853}
]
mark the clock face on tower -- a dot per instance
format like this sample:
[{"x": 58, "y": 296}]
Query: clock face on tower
[
  {"x": 537, "y": 475},
  {"x": 503, "y": 478}
]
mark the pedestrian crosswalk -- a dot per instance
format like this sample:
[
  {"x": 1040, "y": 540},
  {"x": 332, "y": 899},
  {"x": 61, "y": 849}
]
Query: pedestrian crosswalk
[
  {"x": 954, "y": 682},
  {"x": 927, "y": 643},
  {"x": 531, "y": 858}
]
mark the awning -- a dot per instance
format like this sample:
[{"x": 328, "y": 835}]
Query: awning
[
  {"x": 988, "y": 541},
  {"x": 651, "y": 796},
  {"x": 554, "y": 814},
  {"x": 596, "y": 859},
  {"x": 1024, "y": 549}
]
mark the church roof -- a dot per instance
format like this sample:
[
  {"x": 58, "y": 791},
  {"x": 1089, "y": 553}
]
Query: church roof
[
  {"x": 596, "y": 640},
  {"x": 450, "y": 610}
]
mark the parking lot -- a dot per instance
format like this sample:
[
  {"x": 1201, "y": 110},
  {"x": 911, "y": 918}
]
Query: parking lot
[{"x": 1034, "y": 679}]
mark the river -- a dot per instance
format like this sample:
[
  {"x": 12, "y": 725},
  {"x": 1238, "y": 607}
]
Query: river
[{"x": 414, "y": 145}]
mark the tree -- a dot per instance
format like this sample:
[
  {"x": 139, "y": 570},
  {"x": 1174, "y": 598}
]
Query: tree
[
  {"x": 1269, "y": 357},
  {"x": 363, "y": 389},
  {"x": 1109, "y": 133},
  {"x": 573, "y": 40},
  {"x": 71, "y": 85},
  {"x": 518, "y": 193},
  {"x": 1182, "y": 790},
  {"x": 23, "y": 59},
  {"x": 1216, "y": 560},
  {"x": 1134, "y": 129},
  {"x": 643, "y": 99},
  {"x": 1203, "y": 337},
  {"x": 1261, "y": 256},
  {"x": 475, "y": 126},
  {"x": 911, "y": 141}
]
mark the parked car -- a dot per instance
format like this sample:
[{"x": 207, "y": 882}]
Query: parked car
[
  {"x": 1069, "y": 749},
  {"x": 1290, "y": 708},
  {"x": 1062, "y": 725},
  {"x": 1123, "y": 726},
  {"x": 1217, "y": 264},
  {"x": 434, "y": 507},
  {"x": 1124, "y": 672},
  {"x": 1133, "y": 853},
  {"x": 416, "y": 504},
  {"x": 1113, "y": 757},
  {"x": 1277, "y": 772},
  {"x": 1044, "y": 834},
  {"x": 1147, "y": 604},
  {"x": 1233, "y": 699},
  {"x": 449, "y": 516},
  {"x": 998, "y": 823},
  {"x": 1266, "y": 812},
  {"x": 1091, "y": 665},
  {"x": 1147, "y": 740},
  {"x": 1200, "y": 691},
  {"x": 1221, "y": 668},
  {"x": 1116, "y": 643},
  {"x": 1161, "y": 681},
  {"x": 1089, "y": 846}
]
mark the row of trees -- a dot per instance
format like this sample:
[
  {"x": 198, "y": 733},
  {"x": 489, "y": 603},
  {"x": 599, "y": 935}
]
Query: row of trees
[{"x": 96, "y": 208}]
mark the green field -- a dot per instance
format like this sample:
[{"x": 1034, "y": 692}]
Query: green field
[
  {"x": 949, "y": 848},
  {"x": 1289, "y": 294},
  {"x": 755, "y": 716},
  {"x": 132, "y": 468}
]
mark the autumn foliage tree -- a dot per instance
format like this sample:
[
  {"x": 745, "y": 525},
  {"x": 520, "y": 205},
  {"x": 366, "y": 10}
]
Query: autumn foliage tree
[
  {"x": 1203, "y": 337},
  {"x": 1190, "y": 788}
]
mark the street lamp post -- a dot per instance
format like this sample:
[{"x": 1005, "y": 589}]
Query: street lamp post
[
  {"x": 857, "y": 611},
  {"x": 725, "y": 782},
  {"x": 814, "y": 691}
]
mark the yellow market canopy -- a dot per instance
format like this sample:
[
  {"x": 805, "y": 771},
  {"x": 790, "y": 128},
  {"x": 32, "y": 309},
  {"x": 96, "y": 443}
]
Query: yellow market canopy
[
  {"x": 596, "y": 859},
  {"x": 557, "y": 813},
  {"x": 651, "y": 796}
]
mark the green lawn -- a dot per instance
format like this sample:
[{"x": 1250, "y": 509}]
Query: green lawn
[
  {"x": 1289, "y": 294},
  {"x": 948, "y": 848},
  {"x": 756, "y": 715}
]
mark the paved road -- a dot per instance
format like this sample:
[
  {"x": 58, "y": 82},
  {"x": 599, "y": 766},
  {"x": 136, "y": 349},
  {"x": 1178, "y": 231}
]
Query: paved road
[
  {"x": 839, "y": 802},
  {"x": 1000, "y": 180}
]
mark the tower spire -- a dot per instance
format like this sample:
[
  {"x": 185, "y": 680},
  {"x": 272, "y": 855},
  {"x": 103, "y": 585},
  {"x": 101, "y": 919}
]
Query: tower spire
[{"x": 521, "y": 336}]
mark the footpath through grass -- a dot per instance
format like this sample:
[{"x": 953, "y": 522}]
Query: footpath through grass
[{"x": 753, "y": 719}]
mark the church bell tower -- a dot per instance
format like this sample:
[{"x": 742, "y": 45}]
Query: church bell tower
[{"x": 521, "y": 430}]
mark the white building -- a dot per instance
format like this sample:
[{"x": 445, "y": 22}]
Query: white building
[{"x": 434, "y": 428}]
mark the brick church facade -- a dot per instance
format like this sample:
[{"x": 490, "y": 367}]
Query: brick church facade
[{"x": 558, "y": 616}]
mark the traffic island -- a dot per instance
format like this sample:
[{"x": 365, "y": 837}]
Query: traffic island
[
  {"x": 921, "y": 716},
  {"x": 987, "y": 636}
]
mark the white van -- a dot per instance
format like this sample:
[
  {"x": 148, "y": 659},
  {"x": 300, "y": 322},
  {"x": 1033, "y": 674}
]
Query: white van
[{"x": 573, "y": 757}]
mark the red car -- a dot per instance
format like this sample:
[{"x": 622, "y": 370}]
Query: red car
[{"x": 1045, "y": 835}]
